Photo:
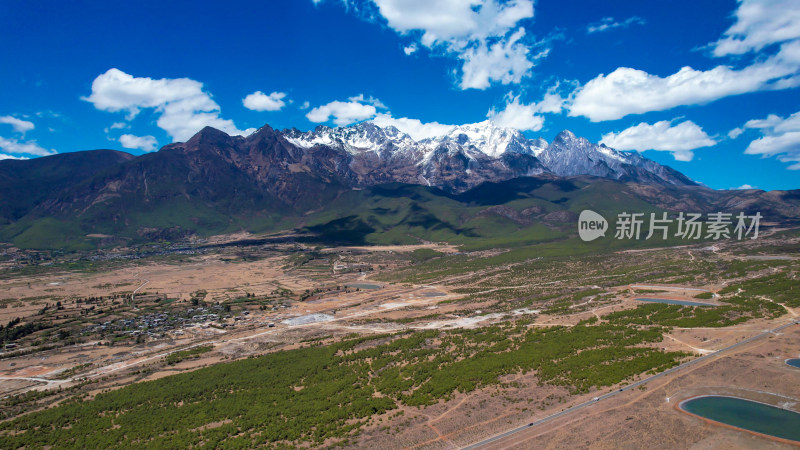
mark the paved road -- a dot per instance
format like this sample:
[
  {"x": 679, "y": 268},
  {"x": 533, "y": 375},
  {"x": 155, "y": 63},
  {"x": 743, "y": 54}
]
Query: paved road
[{"x": 628, "y": 387}]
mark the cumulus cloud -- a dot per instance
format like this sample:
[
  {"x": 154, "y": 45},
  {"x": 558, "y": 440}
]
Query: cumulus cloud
[
  {"x": 446, "y": 21},
  {"x": 760, "y": 23},
  {"x": 345, "y": 113},
  {"x": 680, "y": 139},
  {"x": 181, "y": 103},
  {"x": 745, "y": 186},
  {"x": 415, "y": 128},
  {"x": 19, "y": 125},
  {"x": 27, "y": 148},
  {"x": 360, "y": 108},
  {"x": 520, "y": 116},
  {"x": 608, "y": 23},
  {"x": 259, "y": 101},
  {"x": 484, "y": 34},
  {"x": 629, "y": 91},
  {"x": 514, "y": 114},
  {"x": 780, "y": 138},
  {"x": 506, "y": 61},
  {"x": 144, "y": 143}
]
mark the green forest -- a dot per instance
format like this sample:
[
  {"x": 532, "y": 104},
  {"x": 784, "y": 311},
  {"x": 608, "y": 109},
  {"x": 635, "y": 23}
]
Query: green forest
[{"x": 323, "y": 394}]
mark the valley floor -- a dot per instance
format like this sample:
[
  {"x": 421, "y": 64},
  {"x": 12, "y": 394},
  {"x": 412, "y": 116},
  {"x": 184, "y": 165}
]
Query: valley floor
[{"x": 497, "y": 326}]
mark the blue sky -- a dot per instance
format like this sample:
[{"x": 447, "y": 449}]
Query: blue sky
[{"x": 710, "y": 88}]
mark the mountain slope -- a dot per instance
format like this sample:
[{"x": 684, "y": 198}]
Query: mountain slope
[
  {"x": 476, "y": 183},
  {"x": 569, "y": 155},
  {"x": 26, "y": 183}
]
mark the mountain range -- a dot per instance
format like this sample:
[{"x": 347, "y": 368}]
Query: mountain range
[{"x": 273, "y": 180}]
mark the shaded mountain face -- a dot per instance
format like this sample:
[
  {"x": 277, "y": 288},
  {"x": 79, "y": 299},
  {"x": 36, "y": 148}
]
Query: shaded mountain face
[
  {"x": 294, "y": 171},
  {"x": 277, "y": 180},
  {"x": 26, "y": 183}
]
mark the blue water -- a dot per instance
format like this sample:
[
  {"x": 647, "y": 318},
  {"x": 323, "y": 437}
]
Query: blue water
[
  {"x": 674, "y": 302},
  {"x": 747, "y": 414},
  {"x": 363, "y": 286},
  {"x": 794, "y": 362}
]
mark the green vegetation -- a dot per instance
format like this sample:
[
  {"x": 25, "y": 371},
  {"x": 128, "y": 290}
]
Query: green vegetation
[
  {"x": 192, "y": 353},
  {"x": 782, "y": 287},
  {"x": 13, "y": 331},
  {"x": 740, "y": 310},
  {"x": 326, "y": 393},
  {"x": 705, "y": 295},
  {"x": 424, "y": 254}
]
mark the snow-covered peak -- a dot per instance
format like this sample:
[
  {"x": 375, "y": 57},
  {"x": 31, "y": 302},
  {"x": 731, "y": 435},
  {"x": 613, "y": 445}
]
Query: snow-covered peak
[
  {"x": 569, "y": 145},
  {"x": 482, "y": 137},
  {"x": 567, "y": 155},
  {"x": 359, "y": 138},
  {"x": 488, "y": 138}
]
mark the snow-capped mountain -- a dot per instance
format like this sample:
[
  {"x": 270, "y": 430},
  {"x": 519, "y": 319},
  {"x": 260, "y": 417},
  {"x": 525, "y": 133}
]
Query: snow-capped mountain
[
  {"x": 356, "y": 139},
  {"x": 473, "y": 153},
  {"x": 569, "y": 155},
  {"x": 492, "y": 140}
]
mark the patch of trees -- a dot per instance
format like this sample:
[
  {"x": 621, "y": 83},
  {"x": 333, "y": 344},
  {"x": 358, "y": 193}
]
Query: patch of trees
[
  {"x": 324, "y": 394},
  {"x": 739, "y": 309},
  {"x": 13, "y": 331}
]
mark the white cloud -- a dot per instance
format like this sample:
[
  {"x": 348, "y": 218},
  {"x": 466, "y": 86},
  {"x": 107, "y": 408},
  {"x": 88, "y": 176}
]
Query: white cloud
[
  {"x": 517, "y": 115},
  {"x": 371, "y": 100},
  {"x": 115, "y": 126},
  {"x": 735, "y": 133},
  {"x": 259, "y": 101},
  {"x": 527, "y": 117},
  {"x": 744, "y": 186},
  {"x": 306, "y": 104},
  {"x": 680, "y": 139},
  {"x": 415, "y": 128},
  {"x": 445, "y": 21},
  {"x": 760, "y": 23},
  {"x": 27, "y": 148},
  {"x": 20, "y": 126},
  {"x": 183, "y": 107},
  {"x": 506, "y": 61},
  {"x": 343, "y": 113},
  {"x": 771, "y": 121},
  {"x": 608, "y": 23},
  {"x": 144, "y": 143},
  {"x": 780, "y": 138},
  {"x": 629, "y": 91},
  {"x": 485, "y": 34},
  {"x": 4, "y": 156}
]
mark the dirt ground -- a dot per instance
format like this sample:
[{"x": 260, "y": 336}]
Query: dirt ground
[
  {"x": 633, "y": 419},
  {"x": 649, "y": 418}
]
